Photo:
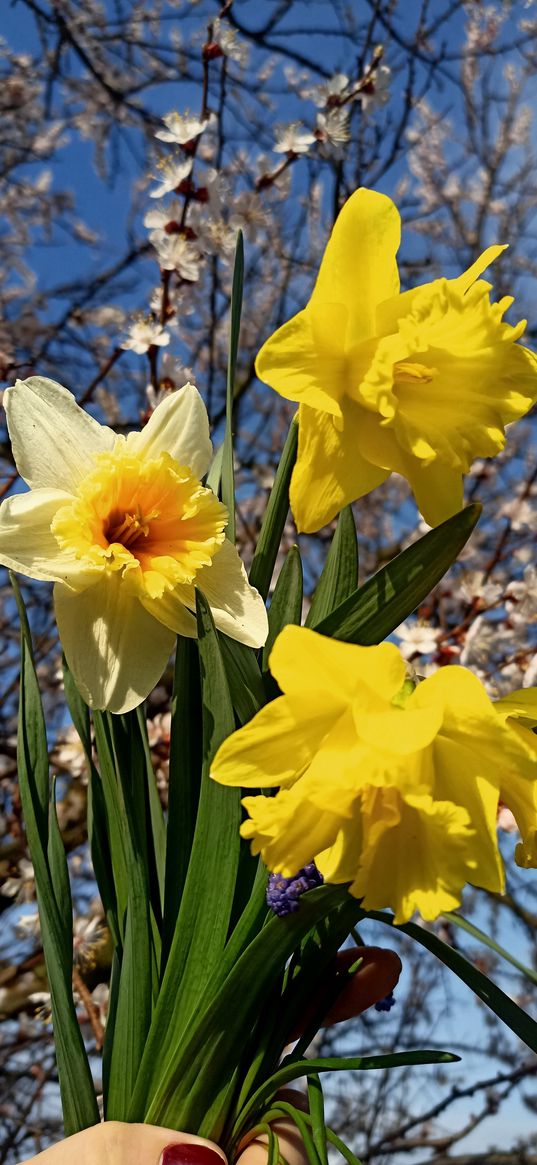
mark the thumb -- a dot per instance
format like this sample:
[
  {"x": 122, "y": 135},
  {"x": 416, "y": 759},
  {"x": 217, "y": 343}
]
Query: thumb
[{"x": 292, "y": 1149}]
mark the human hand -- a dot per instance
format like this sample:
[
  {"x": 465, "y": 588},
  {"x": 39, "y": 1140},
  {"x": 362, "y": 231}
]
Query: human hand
[{"x": 113, "y": 1143}]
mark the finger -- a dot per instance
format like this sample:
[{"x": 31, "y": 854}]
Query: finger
[
  {"x": 291, "y": 1144},
  {"x": 376, "y": 976}
]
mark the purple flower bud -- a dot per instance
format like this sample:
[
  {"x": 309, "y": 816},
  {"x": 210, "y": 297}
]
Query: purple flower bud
[
  {"x": 283, "y": 894},
  {"x": 387, "y": 1003}
]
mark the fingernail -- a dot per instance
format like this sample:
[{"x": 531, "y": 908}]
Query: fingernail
[{"x": 186, "y": 1153}]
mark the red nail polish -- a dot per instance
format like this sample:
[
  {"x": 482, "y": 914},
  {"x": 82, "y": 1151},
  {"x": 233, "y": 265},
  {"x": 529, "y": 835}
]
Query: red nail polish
[{"x": 190, "y": 1154}]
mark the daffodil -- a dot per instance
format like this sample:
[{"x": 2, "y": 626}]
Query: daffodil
[
  {"x": 418, "y": 383},
  {"x": 126, "y": 531},
  {"x": 389, "y": 787}
]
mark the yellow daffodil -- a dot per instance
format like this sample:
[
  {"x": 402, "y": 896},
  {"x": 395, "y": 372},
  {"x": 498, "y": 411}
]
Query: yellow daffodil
[
  {"x": 419, "y": 383},
  {"x": 126, "y": 531},
  {"x": 391, "y": 788}
]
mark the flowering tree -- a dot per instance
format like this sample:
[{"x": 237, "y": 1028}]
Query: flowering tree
[{"x": 200, "y": 120}]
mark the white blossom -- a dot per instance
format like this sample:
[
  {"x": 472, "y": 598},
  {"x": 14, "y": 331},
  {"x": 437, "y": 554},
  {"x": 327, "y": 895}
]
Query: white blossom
[
  {"x": 181, "y": 127},
  {"x": 293, "y": 139},
  {"x": 377, "y": 91},
  {"x": 328, "y": 92},
  {"x": 175, "y": 253},
  {"x": 145, "y": 333},
  {"x": 417, "y": 639},
  {"x": 333, "y": 131},
  {"x": 171, "y": 174}
]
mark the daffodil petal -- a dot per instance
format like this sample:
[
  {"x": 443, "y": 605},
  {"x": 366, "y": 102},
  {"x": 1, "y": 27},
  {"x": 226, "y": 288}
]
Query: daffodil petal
[
  {"x": 359, "y": 267},
  {"x": 287, "y": 830},
  {"x": 521, "y": 705},
  {"x": 303, "y": 363},
  {"x": 274, "y": 747},
  {"x": 417, "y": 854},
  {"x": 438, "y": 490},
  {"x": 237, "y": 607},
  {"x": 28, "y": 546},
  {"x": 330, "y": 472},
  {"x": 54, "y": 441},
  {"x": 476, "y": 269},
  {"x": 520, "y": 796},
  {"x": 461, "y": 776},
  {"x": 303, "y": 661},
  {"x": 178, "y": 426},
  {"x": 115, "y": 649}
]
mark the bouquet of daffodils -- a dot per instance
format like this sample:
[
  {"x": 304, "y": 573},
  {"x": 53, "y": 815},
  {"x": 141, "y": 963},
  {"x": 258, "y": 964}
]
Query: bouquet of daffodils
[{"x": 367, "y": 792}]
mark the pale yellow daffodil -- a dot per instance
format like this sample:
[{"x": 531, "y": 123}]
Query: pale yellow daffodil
[
  {"x": 126, "y": 531},
  {"x": 391, "y": 788},
  {"x": 419, "y": 383}
]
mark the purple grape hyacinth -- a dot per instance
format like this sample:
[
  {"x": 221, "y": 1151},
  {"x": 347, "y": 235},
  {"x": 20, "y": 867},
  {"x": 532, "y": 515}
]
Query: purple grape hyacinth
[
  {"x": 283, "y": 894},
  {"x": 387, "y": 1003}
]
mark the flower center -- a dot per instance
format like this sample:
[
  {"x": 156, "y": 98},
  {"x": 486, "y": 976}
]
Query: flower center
[
  {"x": 149, "y": 518},
  {"x": 410, "y": 372}
]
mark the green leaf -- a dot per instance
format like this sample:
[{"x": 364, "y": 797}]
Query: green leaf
[
  {"x": 214, "y": 475},
  {"x": 96, "y": 810},
  {"x": 275, "y": 517},
  {"x": 464, "y": 924},
  {"x": 337, "y": 1064},
  {"x": 243, "y": 676},
  {"x": 372, "y": 612},
  {"x": 318, "y": 1124},
  {"x": 184, "y": 781},
  {"x": 228, "y": 481},
  {"x": 134, "y": 1001},
  {"x": 59, "y": 876},
  {"x": 494, "y": 998},
  {"x": 202, "y": 927},
  {"x": 76, "y": 1086},
  {"x": 157, "y": 823},
  {"x": 285, "y": 607},
  {"x": 340, "y": 574},
  {"x": 193, "y": 1089},
  {"x": 282, "y": 1108},
  {"x": 108, "y": 796}
]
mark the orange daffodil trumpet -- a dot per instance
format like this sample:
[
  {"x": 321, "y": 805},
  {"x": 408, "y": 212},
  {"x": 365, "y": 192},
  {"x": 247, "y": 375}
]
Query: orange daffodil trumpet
[
  {"x": 126, "y": 531},
  {"x": 390, "y": 787},
  {"x": 418, "y": 383}
]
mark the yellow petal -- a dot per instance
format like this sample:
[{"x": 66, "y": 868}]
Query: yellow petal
[
  {"x": 521, "y": 705},
  {"x": 116, "y": 651},
  {"x": 287, "y": 831},
  {"x": 303, "y": 661},
  {"x": 438, "y": 490},
  {"x": 520, "y": 796},
  {"x": 400, "y": 731},
  {"x": 359, "y": 267},
  {"x": 27, "y": 544},
  {"x": 178, "y": 426},
  {"x": 417, "y": 854},
  {"x": 54, "y": 441},
  {"x": 305, "y": 361},
  {"x": 463, "y": 776},
  {"x": 464, "y": 281},
  {"x": 237, "y": 608},
  {"x": 274, "y": 747},
  {"x": 330, "y": 472}
]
